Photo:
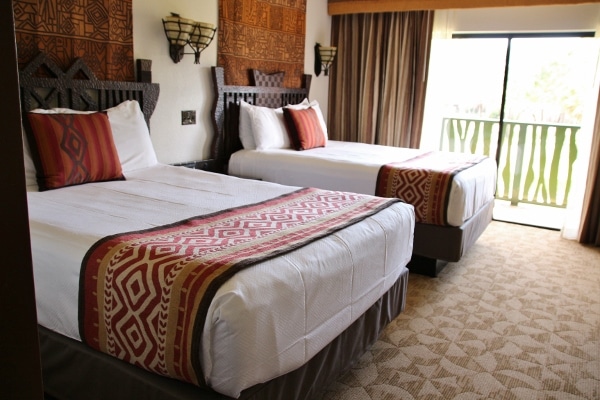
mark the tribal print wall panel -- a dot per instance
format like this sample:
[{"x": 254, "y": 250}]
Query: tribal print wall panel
[
  {"x": 99, "y": 31},
  {"x": 267, "y": 35}
]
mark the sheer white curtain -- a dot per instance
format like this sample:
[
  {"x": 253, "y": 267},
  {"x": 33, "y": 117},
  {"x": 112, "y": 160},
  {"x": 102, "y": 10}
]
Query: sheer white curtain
[{"x": 590, "y": 128}]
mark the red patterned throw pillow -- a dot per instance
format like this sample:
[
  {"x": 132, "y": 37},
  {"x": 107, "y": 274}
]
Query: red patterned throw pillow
[
  {"x": 304, "y": 128},
  {"x": 72, "y": 149}
]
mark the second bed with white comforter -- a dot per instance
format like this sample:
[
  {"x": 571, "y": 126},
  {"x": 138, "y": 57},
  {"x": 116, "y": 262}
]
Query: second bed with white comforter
[{"x": 354, "y": 167}]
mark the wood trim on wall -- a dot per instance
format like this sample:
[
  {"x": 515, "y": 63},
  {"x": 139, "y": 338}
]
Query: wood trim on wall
[
  {"x": 339, "y": 7},
  {"x": 19, "y": 348}
]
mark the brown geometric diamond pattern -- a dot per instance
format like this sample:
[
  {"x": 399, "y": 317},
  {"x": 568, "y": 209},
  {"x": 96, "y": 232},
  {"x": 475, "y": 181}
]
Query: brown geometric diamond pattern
[
  {"x": 75, "y": 145},
  {"x": 267, "y": 35},
  {"x": 517, "y": 318},
  {"x": 100, "y": 31}
]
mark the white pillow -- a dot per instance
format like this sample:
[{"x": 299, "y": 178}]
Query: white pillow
[
  {"x": 305, "y": 104},
  {"x": 131, "y": 136},
  {"x": 245, "y": 126},
  {"x": 315, "y": 105},
  {"x": 268, "y": 126}
]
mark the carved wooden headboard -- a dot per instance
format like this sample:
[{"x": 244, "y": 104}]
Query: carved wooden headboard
[
  {"x": 45, "y": 85},
  {"x": 226, "y": 107}
]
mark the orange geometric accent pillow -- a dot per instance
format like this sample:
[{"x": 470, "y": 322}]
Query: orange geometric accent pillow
[
  {"x": 72, "y": 149},
  {"x": 304, "y": 128}
]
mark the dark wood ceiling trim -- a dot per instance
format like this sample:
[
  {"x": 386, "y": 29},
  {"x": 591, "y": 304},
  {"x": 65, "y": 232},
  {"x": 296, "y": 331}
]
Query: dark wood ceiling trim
[{"x": 338, "y": 7}]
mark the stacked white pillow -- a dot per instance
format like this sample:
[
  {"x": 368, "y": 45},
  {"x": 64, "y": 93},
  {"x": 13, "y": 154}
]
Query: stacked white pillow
[
  {"x": 245, "y": 126},
  {"x": 268, "y": 128},
  {"x": 131, "y": 136},
  {"x": 264, "y": 128}
]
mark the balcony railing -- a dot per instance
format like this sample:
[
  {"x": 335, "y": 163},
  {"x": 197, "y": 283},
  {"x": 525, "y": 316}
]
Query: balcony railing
[{"x": 535, "y": 161}]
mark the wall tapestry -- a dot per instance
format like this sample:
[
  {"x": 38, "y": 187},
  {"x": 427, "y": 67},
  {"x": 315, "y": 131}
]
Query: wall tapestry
[
  {"x": 267, "y": 35},
  {"x": 100, "y": 31}
]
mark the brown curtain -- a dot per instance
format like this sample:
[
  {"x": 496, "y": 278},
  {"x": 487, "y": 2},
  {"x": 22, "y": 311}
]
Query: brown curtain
[
  {"x": 589, "y": 232},
  {"x": 378, "y": 82}
]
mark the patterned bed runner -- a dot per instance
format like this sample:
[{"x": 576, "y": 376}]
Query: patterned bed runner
[
  {"x": 144, "y": 295},
  {"x": 425, "y": 182}
]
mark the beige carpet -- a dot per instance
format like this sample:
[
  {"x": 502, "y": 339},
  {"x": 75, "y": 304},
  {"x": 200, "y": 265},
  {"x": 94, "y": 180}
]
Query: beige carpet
[{"x": 517, "y": 318}]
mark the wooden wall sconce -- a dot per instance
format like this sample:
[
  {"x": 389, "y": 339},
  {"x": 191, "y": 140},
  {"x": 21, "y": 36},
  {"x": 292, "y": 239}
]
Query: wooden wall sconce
[
  {"x": 182, "y": 31},
  {"x": 324, "y": 56}
]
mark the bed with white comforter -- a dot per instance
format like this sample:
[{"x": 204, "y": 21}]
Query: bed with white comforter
[
  {"x": 353, "y": 167},
  {"x": 278, "y": 329},
  {"x": 268, "y": 319},
  {"x": 290, "y": 145}
]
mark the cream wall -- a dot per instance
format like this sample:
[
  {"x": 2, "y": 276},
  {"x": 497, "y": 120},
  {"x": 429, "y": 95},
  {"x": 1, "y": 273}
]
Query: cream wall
[{"x": 188, "y": 86}]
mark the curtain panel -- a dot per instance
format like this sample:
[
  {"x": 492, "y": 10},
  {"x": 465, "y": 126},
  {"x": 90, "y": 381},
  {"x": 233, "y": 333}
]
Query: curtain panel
[
  {"x": 589, "y": 232},
  {"x": 378, "y": 82},
  {"x": 340, "y": 7}
]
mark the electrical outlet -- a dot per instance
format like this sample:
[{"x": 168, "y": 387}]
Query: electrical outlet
[{"x": 188, "y": 117}]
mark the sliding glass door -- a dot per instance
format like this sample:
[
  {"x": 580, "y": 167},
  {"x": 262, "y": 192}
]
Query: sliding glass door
[
  {"x": 464, "y": 95},
  {"x": 521, "y": 99}
]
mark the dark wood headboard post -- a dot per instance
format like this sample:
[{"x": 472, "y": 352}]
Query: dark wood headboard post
[
  {"x": 45, "y": 85},
  {"x": 306, "y": 81},
  {"x": 218, "y": 118},
  {"x": 225, "y": 111}
]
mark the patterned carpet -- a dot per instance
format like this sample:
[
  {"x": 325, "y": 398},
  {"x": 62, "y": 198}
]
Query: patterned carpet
[{"x": 517, "y": 318}]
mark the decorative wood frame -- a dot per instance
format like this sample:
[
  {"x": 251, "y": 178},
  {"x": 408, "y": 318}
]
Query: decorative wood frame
[{"x": 45, "y": 85}]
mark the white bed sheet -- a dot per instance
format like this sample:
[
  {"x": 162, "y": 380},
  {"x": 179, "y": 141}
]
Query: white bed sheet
[
  {"x": 353, "y": 167},
  {"x": 326, "y": 285}
]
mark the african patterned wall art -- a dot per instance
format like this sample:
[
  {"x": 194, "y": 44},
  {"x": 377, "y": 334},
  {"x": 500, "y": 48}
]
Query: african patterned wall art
[
  {"x": 100, "y": 31},
  {"x": 267, "y": 35}
]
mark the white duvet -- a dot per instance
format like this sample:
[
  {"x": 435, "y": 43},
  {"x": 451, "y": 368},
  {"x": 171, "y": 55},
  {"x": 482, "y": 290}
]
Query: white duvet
[
  {"x": 267, "y": 320},
  {"x": 353, "y": 167}
]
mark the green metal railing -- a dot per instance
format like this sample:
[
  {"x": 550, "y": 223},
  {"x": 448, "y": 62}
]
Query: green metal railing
[{"x": 535, "y": 162}]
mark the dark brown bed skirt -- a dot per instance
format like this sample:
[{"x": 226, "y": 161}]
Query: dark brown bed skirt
[
  {"x": 72, "y": 370},
  {"x": 435, "y": 245}
]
